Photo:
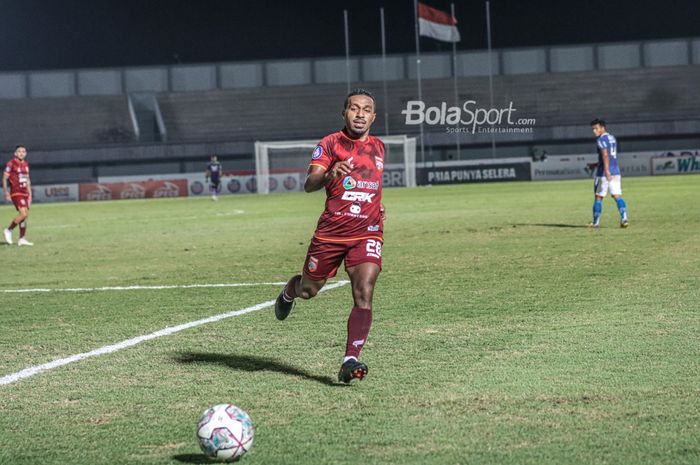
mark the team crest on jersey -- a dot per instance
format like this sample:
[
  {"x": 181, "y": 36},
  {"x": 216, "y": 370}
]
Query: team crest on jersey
[
  {"x": 380, "y": 164},
  {"x": 349, "y": 182},
  {"x": 318, "y": 152},
  {"x": 313, "y": 264}
]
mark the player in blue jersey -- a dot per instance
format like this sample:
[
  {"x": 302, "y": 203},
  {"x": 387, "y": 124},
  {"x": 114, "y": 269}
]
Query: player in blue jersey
[
  {"x": 607, "y": 175},
  {"x": 213, "y": 177}
]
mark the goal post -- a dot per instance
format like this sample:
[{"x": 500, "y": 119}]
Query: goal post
[{"x": 292, "y": 156}]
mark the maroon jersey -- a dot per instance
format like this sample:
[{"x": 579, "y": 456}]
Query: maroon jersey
[
  {"x": 353, "y": 201},
  {"x": 18, "y": 172}
]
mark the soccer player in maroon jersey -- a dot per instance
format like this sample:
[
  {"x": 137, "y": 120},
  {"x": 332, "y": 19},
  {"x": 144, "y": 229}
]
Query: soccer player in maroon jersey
[
  {"x": 19, "y": 193},
  {"x": 349, "y": 165}
]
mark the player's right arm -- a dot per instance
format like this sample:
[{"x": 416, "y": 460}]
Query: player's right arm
[
  {"x": 318, "y": 176},
  {"x": 604, "y": 146},
  {"x": 606, "y": 163}
]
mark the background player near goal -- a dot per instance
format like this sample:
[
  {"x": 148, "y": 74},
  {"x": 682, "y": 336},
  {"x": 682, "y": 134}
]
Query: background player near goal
[{"x": 213, "y": 176}]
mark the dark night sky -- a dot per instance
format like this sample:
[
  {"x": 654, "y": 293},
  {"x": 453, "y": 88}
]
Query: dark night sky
[{"x": 55, "y": 34}]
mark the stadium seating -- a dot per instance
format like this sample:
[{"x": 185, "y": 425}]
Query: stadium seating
[
  {"x": 636, "y": 95},
  {"x": 307, "y": 111},
  {"x": 65, "y": 122}
]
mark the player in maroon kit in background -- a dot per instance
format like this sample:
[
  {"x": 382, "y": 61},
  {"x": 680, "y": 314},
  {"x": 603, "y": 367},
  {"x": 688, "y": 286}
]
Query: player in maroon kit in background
[
  {"x": 19, "y": 193},
  {"x": 349, "y": 164}
]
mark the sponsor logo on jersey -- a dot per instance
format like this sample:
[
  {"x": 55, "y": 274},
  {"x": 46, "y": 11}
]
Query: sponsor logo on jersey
[
  {"x": 349, "y": 182},
  {"x": 380, "y": 164},
  {"x": 374, "y": 185},
  {"x": 373, "y": 228},
  {"x": 355, "y": 208},
  {"x": 358, "y": 196},
  {"x": 313, "y": 264},
  {"x": 318, "y": 152}
]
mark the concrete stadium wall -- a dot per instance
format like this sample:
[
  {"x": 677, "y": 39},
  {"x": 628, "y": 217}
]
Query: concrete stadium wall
[{"x": 210, "y": 76}]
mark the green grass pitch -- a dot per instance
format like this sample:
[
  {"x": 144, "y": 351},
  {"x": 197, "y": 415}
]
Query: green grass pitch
[{"x": 505, "y": 332}]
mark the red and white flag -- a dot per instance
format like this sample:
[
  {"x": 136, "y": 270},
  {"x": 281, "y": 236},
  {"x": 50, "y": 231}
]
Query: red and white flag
[{"x": 437, "y": 24}]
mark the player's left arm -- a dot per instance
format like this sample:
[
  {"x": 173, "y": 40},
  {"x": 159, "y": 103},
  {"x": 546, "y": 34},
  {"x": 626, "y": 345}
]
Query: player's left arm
[
  {"x": 29, "y": 187},
  {"x": 5, "y": 191},
  {"x": 382, "y": 211}
]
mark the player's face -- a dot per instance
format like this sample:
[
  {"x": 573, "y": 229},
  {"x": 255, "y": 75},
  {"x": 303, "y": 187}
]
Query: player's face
[
  {"x": 359, "y": 115},
  {"x": 598, "y": 130},
  {"x": 20, "y": 153}
]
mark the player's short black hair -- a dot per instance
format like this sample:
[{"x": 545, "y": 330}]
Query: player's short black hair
[
  {"x": 598, "y": 121},
  {"x": 358, "y": 91},
  {"x": 20, "y": 145}
]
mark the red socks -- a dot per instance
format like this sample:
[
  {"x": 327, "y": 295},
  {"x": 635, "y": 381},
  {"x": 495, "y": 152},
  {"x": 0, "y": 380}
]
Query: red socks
[
  {"x": 359, "y": 322},
  {"x": 12, "y": 225},
  {"x": 290, "y": 290},
  {"x": 22, "y": 229}
]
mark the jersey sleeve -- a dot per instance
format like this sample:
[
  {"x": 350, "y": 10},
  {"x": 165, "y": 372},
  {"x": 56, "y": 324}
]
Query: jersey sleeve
[
  {"x": 8, "y": 168},
  {"x": 322, "y": 156},
  {"x": 603, "y": 142}
]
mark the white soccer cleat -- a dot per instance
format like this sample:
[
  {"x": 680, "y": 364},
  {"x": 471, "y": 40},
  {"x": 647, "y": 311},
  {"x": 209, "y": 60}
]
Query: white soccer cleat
[
  {"x": 8, "y": 236},
  {"x": 22, "y": 241}
]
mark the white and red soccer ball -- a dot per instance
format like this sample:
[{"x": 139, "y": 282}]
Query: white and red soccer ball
[{"x": 225, "y": 432}]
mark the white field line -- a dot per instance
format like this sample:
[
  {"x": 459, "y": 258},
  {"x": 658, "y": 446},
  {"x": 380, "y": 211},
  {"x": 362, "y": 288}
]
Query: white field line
[
  {"x": 34, "y": 370},
  {"x": 136, "y": 288}
]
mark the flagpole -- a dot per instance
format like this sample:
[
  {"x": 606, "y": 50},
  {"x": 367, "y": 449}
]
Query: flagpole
[
  {"x": 420, "y": 90},
  {"x": 386, "y": 97},
  {"x": 347, "y": 49},
  {"x": 454, "y": 74},
  {"x": 488, "y": 40}
]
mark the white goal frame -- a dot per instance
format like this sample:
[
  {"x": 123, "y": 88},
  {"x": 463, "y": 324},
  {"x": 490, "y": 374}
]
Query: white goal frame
[{"x": 262, "y": 157}]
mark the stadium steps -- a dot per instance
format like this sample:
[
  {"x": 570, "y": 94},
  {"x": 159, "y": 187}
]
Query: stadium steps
[
  {"x": 65, "y": 122},
  {"x": 292, "y": 112}
]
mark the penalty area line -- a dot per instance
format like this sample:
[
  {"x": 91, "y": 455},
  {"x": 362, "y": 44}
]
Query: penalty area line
[{"x": 35, "y": 370}]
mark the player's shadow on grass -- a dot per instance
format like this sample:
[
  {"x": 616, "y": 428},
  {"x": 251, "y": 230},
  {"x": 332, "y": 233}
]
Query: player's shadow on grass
[
  {"x": 250, "y": 363},
  {"x": 552, "y": 225}
]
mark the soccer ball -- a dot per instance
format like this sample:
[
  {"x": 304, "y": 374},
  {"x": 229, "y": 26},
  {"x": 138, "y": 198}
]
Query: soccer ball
[{"x": 225, "y": 432}]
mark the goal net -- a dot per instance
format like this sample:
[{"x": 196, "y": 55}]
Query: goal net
[{"x": 279, "y": 165}]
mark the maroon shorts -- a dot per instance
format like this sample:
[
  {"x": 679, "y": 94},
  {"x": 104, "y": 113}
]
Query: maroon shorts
[
  {"x": 323, "y": 258},
  {"x": 20, "y": 201}
]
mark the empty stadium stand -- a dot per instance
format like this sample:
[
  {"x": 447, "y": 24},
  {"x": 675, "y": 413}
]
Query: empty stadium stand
[
  {"x": 51, "y": 123},
  {"x": 637, "y": 95}
]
